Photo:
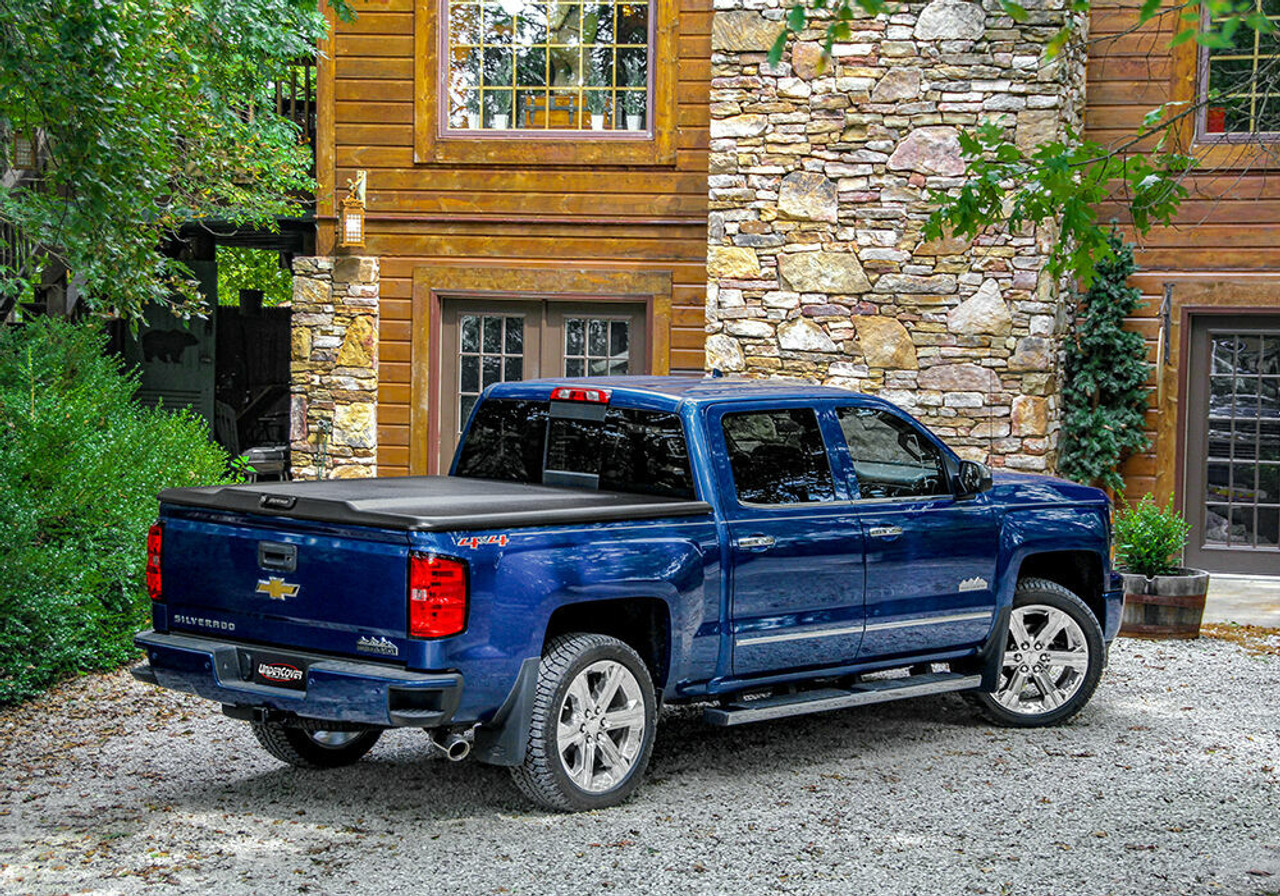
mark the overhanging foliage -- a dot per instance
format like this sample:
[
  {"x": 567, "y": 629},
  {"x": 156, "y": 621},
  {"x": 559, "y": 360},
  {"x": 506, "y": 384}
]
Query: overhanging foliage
[{"x": 149, "y": 114}]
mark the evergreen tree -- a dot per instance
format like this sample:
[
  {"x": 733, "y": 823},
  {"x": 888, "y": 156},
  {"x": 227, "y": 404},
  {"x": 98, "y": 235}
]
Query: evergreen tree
[{"x": 1104, "y": 393}]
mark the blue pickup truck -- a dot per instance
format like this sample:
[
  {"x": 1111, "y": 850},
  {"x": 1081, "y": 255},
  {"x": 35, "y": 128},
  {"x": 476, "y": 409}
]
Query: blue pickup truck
[{"x": 603, "y": 546}]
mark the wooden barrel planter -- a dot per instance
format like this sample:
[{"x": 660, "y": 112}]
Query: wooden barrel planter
[{"x": 1164, "y": 607}]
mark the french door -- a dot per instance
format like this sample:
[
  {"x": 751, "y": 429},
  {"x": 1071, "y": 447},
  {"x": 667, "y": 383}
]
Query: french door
[
  {"x": 1232, "y": 472},
  {"x": 494, "y": 341}
]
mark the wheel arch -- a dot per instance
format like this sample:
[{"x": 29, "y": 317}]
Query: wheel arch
[
  {"x": 642, "y": 622},
  {"x": 1079, "y": 571}
]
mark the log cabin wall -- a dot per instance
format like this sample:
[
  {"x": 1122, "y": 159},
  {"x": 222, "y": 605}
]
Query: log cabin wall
[
  {"x": 562, "y": 218},
  {"x": 1220, "y": 263}
]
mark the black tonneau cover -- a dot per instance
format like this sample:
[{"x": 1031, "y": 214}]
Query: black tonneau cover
[{"x": 432, "y": 503}]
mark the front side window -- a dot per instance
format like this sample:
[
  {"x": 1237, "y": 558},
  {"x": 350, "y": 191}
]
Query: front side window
[
  {"x": 890, "y": 457},
  {"x": 547, "y": 66},
  {"x": 1239, "y": 85},
  {"x": 778, "y": 457}
]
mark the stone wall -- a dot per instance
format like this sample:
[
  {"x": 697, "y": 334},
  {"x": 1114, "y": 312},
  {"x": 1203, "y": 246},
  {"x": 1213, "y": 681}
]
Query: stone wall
[
  {"x": 333, "y": 429},
  {"x": 819, "y": 177}
]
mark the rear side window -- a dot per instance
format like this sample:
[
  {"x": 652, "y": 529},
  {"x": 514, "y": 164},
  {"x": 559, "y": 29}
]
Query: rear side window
[
  {"x": 778, "y": 457},
  {"x": 623, "y": 450},
  {"x": 890, "y": 457},
  {"x": 506, "y": 441}
]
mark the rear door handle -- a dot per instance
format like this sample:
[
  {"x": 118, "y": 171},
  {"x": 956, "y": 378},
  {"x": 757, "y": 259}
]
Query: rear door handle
[
  {"x": 755, "y": 542},
  {"x": 885, "y": 531}
]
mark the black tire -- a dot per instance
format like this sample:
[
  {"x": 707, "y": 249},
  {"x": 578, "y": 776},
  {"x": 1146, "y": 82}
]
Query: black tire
[
  {"x": 546, "y": 777},
  {"x": 1083, "y": 644},
  {"x": 314, "y": 749}
]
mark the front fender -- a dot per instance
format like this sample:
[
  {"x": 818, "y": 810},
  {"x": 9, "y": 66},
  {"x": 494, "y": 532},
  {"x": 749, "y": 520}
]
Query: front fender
[{"x": 1043, "y": 530}]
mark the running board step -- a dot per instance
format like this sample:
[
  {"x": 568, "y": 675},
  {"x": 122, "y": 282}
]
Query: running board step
[{"x": 877, "y": 690}]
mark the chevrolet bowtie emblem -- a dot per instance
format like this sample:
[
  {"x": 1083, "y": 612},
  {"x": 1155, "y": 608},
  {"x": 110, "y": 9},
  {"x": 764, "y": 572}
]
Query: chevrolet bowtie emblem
[{"x": 276, "y": 588}]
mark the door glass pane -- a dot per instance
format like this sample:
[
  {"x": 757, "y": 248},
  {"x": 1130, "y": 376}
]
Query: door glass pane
[
  {"x": 470, "y": 326},
  {"x": 574, "y": 338},
  {"x": 469, "y": 382},
  {"x": 490, "y": 350},
  {"x": 597, "y": 346},
  {"x": 1215, "y": 523},
  {"x": 492, "y": 370},
  {"x": 778, "y": 457},
  {"x": 890, "y": 457},
  {"x": 1268, "y": 526},
  {"x": 1269, "y": 357}
]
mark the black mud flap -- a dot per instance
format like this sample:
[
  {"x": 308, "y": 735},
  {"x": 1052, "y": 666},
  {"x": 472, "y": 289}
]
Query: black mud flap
[
  {"x": 992, "y": 652},
  {"x": 505, "y": 738},
  {"x": 989, "y": 658}
]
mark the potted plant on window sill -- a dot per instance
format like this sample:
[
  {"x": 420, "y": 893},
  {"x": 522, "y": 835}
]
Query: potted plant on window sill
[
  {"x": 472, "y": 110},
  {"x": 633, "y": 104},
  {"x": 1162, "y": 599},
  {"x": 500, "y": 111}
]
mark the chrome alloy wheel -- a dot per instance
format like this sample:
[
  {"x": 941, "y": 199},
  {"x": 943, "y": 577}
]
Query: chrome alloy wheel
[
  {"x": 333, "y": 740},
  {"x": 1045, "y": 660},
  {"x": 601, "y": 726}
]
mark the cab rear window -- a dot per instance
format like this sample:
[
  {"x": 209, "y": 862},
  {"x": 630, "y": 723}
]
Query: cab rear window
[{"x": 621, "y": 449}]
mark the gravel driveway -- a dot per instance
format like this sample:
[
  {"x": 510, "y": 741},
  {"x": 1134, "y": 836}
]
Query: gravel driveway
[{"x": 1166, "y": 784}]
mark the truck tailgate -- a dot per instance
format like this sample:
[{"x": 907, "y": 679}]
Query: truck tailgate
[{"x": 287, "y": 583}]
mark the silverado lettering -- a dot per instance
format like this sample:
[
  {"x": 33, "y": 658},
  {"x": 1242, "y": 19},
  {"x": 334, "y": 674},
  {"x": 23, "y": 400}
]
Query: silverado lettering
[{"x": 764, "y": 548}]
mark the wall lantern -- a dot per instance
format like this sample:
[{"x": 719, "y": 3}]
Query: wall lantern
[
  {"x": 24, "y": 152},
  {"x": 351, "y": 219}
]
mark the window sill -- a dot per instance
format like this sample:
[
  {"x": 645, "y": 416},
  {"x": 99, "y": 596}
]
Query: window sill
[
  {"x": 1237, "y": 154},
  {"x": 585, "y": 148}
]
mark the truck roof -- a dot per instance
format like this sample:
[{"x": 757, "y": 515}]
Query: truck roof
[{"x": 672, "y": 391}]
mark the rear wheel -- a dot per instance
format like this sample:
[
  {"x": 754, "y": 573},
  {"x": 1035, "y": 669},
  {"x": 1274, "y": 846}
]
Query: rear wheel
[
  {"x": 314, "y": 749},
  {"x": 592, "y": 730},
  {"x": 1053, "y": 659}
]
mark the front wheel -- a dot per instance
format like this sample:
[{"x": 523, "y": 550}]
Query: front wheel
[
  {"x": 314, "y": 749},
  {"x": 1053, "y": 659},
  {"x": 592, "y": 730}
]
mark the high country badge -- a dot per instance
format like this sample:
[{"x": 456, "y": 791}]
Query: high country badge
[
  {"x": 380, "y": 646},
  {"x": 276, "y": 588}
]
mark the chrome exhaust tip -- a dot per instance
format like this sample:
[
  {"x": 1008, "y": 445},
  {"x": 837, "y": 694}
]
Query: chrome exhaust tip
[{"x": 456, "y": 747}]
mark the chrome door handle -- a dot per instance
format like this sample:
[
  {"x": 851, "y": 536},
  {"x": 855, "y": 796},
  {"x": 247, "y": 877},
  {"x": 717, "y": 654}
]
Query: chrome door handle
[
  {"x": 755, "y": 542},
  {"x": 885, "y": 531}
]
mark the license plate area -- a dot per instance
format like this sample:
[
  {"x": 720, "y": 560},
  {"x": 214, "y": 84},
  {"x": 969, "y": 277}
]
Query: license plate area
[{"x": 277, "y": 670}]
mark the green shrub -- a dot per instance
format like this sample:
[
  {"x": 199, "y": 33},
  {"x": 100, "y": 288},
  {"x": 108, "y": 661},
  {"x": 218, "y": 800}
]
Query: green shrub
[
  {"x": 1150, "y": 539},
  {"x": 80, "y": 465}
]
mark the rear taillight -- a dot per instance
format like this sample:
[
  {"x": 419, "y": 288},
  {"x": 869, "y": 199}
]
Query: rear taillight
[
  {"x": 437, "y": 596},
  {"x": 155, "y": 543}
]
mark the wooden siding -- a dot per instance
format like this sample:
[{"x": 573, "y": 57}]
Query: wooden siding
[
  {"x": 536, "y": 217},
  {"x": 1224, "y": 249}
]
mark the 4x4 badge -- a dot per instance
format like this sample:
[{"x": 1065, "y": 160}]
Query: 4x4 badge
[{"x": 276, "y": 588}]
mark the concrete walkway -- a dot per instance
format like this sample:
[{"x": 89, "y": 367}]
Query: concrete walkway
[{"x": 1247, "y": 600}]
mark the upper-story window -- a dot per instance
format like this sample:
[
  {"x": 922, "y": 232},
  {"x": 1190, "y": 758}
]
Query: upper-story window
[
  {"x": 1240, "y": 83},
  {"x": 548, "y": 66}
]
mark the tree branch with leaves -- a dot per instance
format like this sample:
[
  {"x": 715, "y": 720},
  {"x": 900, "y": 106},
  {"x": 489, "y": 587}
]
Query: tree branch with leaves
[{"x": 150, "y": 116}]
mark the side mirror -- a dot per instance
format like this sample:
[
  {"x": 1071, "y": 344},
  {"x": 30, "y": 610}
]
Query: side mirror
[{"x": 974, "y": 478}]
